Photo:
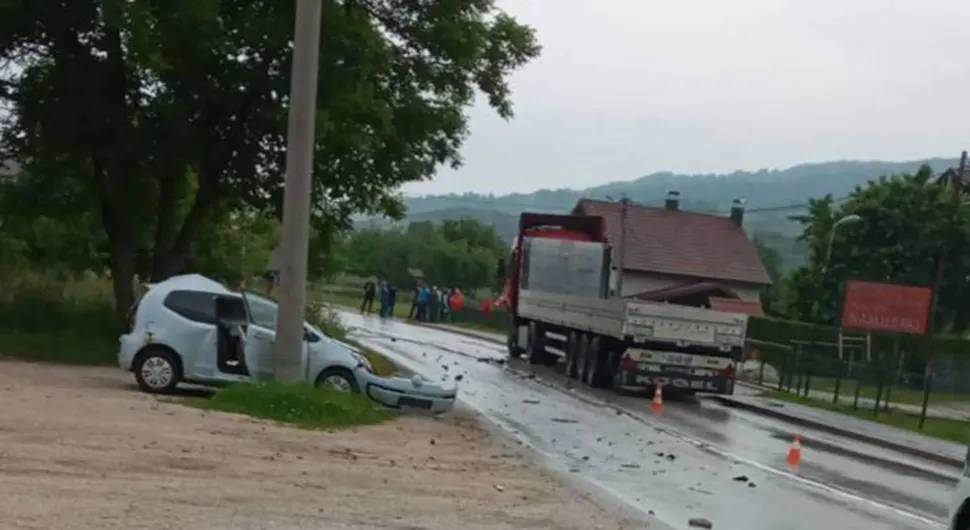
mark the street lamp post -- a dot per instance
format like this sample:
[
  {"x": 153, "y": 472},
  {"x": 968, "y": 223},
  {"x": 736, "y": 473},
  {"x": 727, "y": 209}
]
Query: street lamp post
[
  {"x": 848, "y": 219},
  {"x": 300, "y": 143}
]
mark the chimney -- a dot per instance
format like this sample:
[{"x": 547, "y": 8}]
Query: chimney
[
  {"x": 673, "y": 200},
  {"x": 737, "y": 211}
]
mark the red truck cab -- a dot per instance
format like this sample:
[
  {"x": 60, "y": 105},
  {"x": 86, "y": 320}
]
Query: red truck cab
[{"x": 541, "y": 225}]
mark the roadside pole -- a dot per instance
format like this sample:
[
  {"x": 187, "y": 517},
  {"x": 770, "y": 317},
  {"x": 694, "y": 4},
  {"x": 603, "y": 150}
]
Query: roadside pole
[
  {"x": 944, "y": 253},
  {"x": 300, "y": 143},
  {"x": 621, "y": 251}
]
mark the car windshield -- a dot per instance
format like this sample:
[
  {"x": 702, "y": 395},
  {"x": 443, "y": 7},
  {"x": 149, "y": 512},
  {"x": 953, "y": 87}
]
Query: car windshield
[{"x": 262, "y": 310}]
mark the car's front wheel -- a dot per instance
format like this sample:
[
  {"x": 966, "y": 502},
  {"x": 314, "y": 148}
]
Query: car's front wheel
[
  {"x": 339, "y": 379},
  {"x": 157, "y": 371}
]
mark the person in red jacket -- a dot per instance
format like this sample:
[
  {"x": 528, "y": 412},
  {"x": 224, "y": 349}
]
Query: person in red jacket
[{"x": 456, "y": 301}]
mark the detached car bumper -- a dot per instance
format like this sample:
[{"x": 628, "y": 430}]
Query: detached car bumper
[{"x": 399, "y": 392}]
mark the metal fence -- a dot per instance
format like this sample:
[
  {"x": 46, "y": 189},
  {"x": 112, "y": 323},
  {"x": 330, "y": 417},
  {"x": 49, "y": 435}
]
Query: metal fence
[{"x": 905, "y": 393}]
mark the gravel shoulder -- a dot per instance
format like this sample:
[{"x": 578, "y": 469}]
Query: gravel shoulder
[{"x": 81, "y": 448}]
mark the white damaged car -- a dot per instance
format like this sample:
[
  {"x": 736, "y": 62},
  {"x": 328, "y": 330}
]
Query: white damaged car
[{"x": 192, "y": 329}]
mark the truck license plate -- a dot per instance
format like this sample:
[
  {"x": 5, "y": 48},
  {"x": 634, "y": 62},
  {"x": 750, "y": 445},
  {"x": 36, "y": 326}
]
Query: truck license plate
[{"x": 678, "y": 359}]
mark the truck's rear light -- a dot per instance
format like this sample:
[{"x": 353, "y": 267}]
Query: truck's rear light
[
  {"x": 627, "y": 363},
  {"x": 727, "y": 373}
]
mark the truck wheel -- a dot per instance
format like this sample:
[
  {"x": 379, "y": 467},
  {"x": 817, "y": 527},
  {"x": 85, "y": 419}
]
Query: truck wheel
[
  {"x": 598, "y": 373},
  {"x": 582, "y": 357},
  {"x": 537, "y": 344},
  {"x": 572, "y": 355},
  {"x": 513, "y": 343}
]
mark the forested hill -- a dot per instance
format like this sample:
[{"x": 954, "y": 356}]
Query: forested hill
[{"x": 783, "y": 191}]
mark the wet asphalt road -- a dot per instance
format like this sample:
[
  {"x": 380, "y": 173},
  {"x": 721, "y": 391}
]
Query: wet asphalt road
[{"x": 692, "y": 460}]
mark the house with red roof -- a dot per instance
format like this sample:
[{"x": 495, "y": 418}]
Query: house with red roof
[{"x": 689, "y": 258}]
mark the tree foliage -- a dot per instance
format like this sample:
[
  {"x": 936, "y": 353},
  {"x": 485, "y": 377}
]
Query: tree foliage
[
  {"x": 907, "y": 221},
  {"x": 772, "y": 297},
  {"x": 163, "y": 117},
  {"x": 459, "y": 253}
]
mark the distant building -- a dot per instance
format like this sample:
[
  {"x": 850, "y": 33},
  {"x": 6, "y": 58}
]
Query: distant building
[
  {"x": 952, "y": 177},
  {"x": 684, "y": 257}
]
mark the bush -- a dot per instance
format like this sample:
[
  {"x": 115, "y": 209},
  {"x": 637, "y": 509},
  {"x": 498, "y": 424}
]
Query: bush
[
  {"x": 298, "y": 404},
  {"x": 69, "y": 320},
  {"x": 328, "y": 320}
]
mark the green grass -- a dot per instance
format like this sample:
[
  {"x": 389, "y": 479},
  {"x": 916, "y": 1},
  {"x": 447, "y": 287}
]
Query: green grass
[
  {"x": 299, "y": 404},
  {"x": 950, "y": 430},
  {"x": 50, "y": 319}
]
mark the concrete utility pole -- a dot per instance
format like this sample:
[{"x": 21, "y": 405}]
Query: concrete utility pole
[
  {"x": 300, "y": 143},
  {"x": 956, "y": 187}
]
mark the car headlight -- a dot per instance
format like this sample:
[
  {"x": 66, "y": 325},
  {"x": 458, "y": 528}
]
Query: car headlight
[{"x": 365, "y": 362}]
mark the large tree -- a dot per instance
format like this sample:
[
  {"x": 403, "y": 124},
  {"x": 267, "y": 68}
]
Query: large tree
[
  {"x": 458, "y": 253},
  {"x": 169, "y": 113},
  {"x": 910, "y": 223}
]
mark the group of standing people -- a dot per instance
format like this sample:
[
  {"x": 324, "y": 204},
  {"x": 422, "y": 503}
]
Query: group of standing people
[
  {"x": 431, "y": 304},
  {"x": 428, "y": 304},
  {"x": 388, "y": 297}
]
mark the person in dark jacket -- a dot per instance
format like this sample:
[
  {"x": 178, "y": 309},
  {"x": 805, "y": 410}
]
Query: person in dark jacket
[
  {"x": 369, "y": 291},
  {"x": 385, "y": 295},
  {"x": 391, "y": 299},
  {"x": 413, "y": 313}
]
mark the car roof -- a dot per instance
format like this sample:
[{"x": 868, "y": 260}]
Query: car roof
[{"x": 189, "y": 282}]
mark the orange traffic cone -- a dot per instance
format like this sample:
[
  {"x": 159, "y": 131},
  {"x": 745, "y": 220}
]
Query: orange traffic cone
[
  {"x": 658, "y": 400},
  {"x": 795, "y": 453}
]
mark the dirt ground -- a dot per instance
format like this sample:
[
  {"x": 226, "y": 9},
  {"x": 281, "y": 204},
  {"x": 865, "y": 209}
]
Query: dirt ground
[{"x": 81, "y": 448}]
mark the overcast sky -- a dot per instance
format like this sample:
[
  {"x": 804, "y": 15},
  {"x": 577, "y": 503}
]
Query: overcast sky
[{"x": 629, "y": 87}]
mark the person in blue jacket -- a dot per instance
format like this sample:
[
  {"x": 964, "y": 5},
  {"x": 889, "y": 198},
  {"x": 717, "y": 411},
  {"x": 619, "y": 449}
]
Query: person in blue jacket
[{"x": 423, "y": 294}]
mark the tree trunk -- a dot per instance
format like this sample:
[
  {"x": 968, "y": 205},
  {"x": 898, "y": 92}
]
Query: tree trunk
[
  {"x": 165, "y": 228},
  {"x": 122, "y": 278},
  {"x": 172, "y": 255}
]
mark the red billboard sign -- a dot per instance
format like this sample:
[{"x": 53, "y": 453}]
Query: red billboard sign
[{"x": 873, "y": 306}]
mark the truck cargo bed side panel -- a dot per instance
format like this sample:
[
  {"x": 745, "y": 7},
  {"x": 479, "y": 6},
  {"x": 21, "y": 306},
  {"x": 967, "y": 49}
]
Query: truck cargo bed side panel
[{"x": 581, "y": 313}]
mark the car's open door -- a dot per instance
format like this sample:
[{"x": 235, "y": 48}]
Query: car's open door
[
  {"x": 232, "y": 334},
  {"x": 260, "y": 344}
]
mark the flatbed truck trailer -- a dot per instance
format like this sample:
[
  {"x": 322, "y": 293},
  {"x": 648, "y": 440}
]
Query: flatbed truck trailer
[{"x": 560, "y": 289}]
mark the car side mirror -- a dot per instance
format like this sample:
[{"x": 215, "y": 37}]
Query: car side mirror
[{"x": 310, "y": 336}]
